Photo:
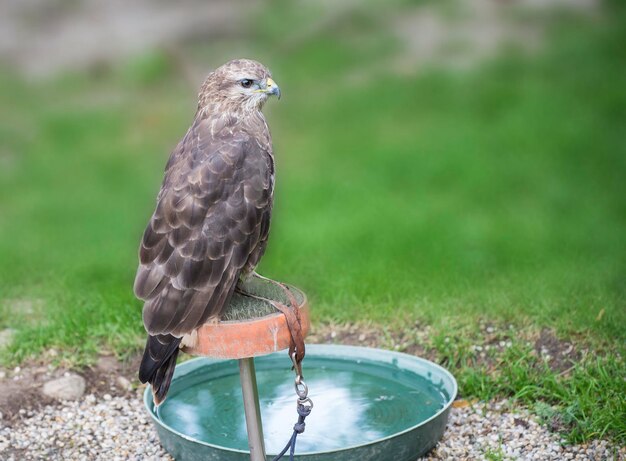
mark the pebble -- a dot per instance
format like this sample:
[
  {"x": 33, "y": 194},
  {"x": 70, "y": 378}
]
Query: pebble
[
  {"x": 119, "y": 428},
  {"x": 68, "y": 387},
  {"x": 123, "y": 383}
]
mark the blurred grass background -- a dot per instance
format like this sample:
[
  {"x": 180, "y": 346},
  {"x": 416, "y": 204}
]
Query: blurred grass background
[
  {"x": 441, "y": 166},
  {"x": 493, "y": 191}
]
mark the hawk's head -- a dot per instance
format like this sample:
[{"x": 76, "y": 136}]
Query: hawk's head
[{"x": 241, "y": 84}]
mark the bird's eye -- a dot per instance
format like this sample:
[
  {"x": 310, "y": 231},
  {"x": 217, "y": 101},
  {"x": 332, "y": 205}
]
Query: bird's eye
[{"x": 246, "y": 83}]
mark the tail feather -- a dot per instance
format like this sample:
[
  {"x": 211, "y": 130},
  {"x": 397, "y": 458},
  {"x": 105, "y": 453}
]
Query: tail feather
[{"x": 158, "y": 364}]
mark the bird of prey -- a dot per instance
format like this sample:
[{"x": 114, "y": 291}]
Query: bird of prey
[{"x": 212, "y": 217}]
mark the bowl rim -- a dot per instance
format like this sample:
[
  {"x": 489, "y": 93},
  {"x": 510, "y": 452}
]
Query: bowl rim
[{"x": 316, "y": 349}]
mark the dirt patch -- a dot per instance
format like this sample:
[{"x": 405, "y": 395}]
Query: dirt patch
[
  {"x": 20, "y": 394},
  {"x": 352, "y": 334},
  {"x": 560, "y": 355},
  {"x": 105, "y": 376},
  {"x": 21, "y": 387},
  {"x": 485, "y": 346},
  {"x": 410, "y": 340}
]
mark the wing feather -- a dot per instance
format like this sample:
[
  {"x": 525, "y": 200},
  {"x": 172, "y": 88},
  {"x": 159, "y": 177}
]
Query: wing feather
[{"x": 212, "y": 215}]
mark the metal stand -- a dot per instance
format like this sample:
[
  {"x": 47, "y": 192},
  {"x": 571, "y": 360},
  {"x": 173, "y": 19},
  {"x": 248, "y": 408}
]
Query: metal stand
[
  {"x": 254, "y": 328},
  {"x": 251, "y": 406}
]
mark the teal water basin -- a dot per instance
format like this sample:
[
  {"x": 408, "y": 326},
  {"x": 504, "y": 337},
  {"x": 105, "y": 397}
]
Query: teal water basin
[{"x": 370, "y": 404}]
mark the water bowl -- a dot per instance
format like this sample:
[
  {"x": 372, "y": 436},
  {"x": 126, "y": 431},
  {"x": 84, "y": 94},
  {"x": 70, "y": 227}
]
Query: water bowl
[{"x": 370, "y": 404}]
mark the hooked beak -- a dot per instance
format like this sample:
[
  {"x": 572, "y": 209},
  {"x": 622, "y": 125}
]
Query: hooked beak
[{"x": 271, "y": 88}]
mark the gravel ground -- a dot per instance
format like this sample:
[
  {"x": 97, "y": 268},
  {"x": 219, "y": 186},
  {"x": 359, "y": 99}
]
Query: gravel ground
[
  {"x": 106, "y": 428},
  {"x": 117, "y": 428},
  {"x": 493, "y": 431}
]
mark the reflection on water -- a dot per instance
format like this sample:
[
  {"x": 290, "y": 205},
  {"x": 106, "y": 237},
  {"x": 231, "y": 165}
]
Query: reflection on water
[
  {"x": 339, "y": 418},
  {"x": 351, "y": 407}
]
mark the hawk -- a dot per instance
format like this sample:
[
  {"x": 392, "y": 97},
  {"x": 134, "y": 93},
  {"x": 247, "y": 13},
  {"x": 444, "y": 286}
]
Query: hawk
[{"x": 212, "y": 217}]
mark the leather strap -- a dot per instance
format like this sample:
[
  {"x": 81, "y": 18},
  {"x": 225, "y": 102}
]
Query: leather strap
[{"x": 292, "y": 316}]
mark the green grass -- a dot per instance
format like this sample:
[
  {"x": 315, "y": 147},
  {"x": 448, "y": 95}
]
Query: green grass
[
  {"x": 494, "y": 455},
  {"x": 497, "y": 193},
  {"x": 584, "y": 399}
]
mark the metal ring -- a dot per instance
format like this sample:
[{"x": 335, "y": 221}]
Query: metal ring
[
  {"x": 301, "y": 389},
  {"x": 306, "y": 401}
]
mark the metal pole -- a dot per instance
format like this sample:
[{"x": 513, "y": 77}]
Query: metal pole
[{"x": 252, "y": 409}]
